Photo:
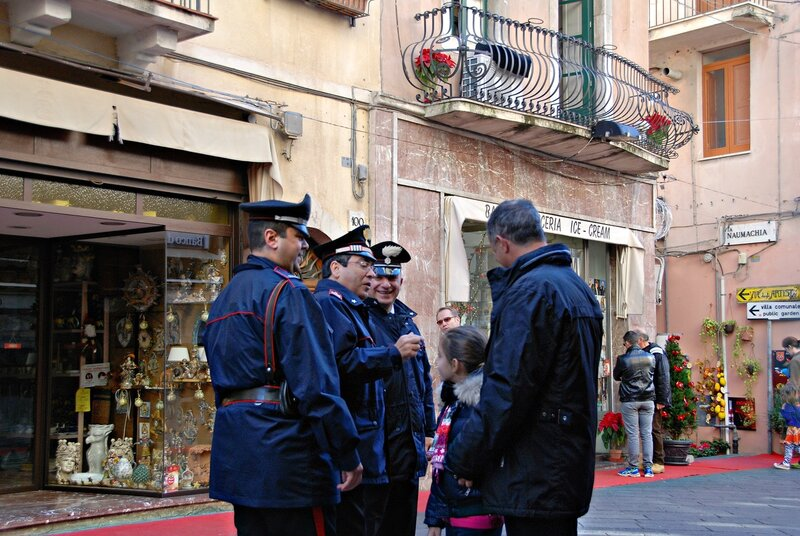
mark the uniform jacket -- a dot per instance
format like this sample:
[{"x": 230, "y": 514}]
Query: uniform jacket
[
  {"x": 447, "y": 498},
  {"x": 635, "y": 370},
  {"x": 661, "y": 379},
  {"x": 410, "y": 416},
  {"x": 362, "y": 368},
  {"x": 530, "y": 444},
  {"x": 259, "y": 457}
]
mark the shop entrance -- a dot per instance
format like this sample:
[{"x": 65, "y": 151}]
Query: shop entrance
[{"x": 41, "y": 329}]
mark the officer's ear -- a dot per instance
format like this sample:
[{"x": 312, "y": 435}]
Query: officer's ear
[{"x": 271, "y": 238}]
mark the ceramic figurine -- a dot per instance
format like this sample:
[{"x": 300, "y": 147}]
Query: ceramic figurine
[
  {"x": 98, "y": 447},
  {"x": 68, "y": 460}
]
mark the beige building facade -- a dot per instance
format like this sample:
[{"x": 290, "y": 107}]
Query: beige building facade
[{"x": 131, "y": 129}]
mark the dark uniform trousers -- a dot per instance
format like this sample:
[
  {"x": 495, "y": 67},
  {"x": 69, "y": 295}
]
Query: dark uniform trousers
[
  {"x": 350, "y": 520},
  {"x": 395, "y": 505},
  {"x": 316, "y": 521}
]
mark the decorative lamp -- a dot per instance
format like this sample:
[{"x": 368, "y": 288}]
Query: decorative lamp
[
  {"x": 201, "y": 354},
  {"x": 178, "y": 353}
]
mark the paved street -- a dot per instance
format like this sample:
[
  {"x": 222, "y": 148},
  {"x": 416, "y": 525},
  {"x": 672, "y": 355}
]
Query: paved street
[{"x": 753, "y": 502}]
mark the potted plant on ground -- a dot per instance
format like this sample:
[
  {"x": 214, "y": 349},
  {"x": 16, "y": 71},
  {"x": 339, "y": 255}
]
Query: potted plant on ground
[
  {"x": 612, "y": 431},
  {"x": 680, "y": 418}
]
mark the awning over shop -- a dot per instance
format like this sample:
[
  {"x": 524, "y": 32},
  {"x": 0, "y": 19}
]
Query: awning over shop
[
  {"x": 459, "y": 209},
  {"x": 43, "y": 101}
]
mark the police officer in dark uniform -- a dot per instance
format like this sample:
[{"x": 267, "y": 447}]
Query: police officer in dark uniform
[
  {"x": 284, "y": 442},
  {"x": 410, "y": 418},
  {"x": 347, "y": 273}
]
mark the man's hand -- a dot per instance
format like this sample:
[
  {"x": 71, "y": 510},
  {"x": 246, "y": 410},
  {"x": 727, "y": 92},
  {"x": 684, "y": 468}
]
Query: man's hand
[
  {"x": 434, "y": 531},
  {"x": 464, "y": 482},
  {"x": 409, "y": 345},
  {"x": 659, "y": 406},
  {"x": 351, "y": 479}
]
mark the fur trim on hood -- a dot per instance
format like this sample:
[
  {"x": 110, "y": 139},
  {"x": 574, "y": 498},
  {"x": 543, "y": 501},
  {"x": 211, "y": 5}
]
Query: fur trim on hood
[{"x": 469, "y": 391}]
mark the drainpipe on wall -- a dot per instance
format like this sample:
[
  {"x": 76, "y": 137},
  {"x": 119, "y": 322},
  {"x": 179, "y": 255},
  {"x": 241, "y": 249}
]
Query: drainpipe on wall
[{"x": 769, "y": 384}]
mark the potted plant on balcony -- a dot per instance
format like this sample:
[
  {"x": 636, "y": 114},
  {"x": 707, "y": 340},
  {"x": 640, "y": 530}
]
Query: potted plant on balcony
[
  {"x": 432, "y": 67},
  {"x": 658, "y": 128},
  {"x": 612, "y": 431},
  {"x": 680, "y": 418}
]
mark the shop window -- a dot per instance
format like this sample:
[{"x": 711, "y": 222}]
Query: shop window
[
  {"x": 19, "y": 355},
  {"x": 179, "y": 208},
  {"x": 130, "y": 399},
  {"x": 11, "y": 187},
  {"x": 476, "y": 312},
  {"x": 726, "y": 102},
  {"x": 75, "y": 195}
]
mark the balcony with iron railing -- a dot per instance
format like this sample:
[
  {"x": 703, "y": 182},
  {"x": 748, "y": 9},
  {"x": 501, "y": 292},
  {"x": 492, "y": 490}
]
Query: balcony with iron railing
[
  {"x": 541, "y": 89},
  {"x": 700, "y": 22}
]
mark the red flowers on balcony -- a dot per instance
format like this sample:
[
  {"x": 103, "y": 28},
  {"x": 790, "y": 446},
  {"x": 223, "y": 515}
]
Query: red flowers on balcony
[
  {"x": 430, "y": 67},
  {"x": 658, "y": 129}
]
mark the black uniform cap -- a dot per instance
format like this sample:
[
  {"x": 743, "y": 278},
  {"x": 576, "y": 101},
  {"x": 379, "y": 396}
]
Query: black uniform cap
[
  {"x": 295, "y": 214},
  {"x": 390, "y": 255},
  {"x": 352, "y": 243}
]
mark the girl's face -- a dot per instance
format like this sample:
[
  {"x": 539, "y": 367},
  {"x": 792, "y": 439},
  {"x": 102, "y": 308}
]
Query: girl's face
[{"x": 445, "y": 367}]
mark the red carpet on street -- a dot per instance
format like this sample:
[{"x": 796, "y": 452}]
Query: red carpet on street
[{"x": 221, "y": 524}]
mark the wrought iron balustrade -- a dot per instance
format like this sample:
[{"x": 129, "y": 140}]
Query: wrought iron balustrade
[
  {"x": 203, "y": 6},
  {"x": 472, "y": 54},
  {"x": 666, "y": 11}
]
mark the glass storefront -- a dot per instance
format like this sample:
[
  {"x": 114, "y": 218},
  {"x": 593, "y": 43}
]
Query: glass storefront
[
  {"x": 19, "y": 355},
  {"x": 130, "y": 400},
  {"x": 104, "y": 381}
]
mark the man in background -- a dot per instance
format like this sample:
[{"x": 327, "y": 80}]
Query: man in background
[
  {"x": 663, "y": 398},
  {"x": 635, "y": 370},
  {"x": 447, "y": 318}
]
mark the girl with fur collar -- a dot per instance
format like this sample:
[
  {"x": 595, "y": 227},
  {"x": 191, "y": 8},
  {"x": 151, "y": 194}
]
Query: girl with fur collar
[{"x": 457, "y": 509}]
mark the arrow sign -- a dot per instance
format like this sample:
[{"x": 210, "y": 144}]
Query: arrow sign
[
  {"x": 768, "y": 294},
  {"x": 773, "y": 311}
]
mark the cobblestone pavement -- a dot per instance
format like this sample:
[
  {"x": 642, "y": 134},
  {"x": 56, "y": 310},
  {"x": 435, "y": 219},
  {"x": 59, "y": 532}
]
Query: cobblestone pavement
[{"x": 738, "y": 503}]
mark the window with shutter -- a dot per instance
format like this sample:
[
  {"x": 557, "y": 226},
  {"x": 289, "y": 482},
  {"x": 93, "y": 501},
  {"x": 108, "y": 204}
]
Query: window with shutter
[{"x": 726, "y": 106}]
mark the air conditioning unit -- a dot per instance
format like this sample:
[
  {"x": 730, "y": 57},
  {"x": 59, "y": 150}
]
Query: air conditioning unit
[{"x": 496, "y": 74}]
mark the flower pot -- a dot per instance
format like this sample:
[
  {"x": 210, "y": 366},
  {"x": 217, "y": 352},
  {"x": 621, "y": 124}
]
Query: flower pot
[
  {"x": 676, "y": 451},
  {"x": 615, "y": 455},
  {"x": 747, "y": 335},
  {"x": 728, "y": 328}
]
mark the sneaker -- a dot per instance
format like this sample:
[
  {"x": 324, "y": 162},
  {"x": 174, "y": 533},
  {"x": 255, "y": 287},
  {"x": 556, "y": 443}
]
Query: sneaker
[
  {"x": 657, "y": 468},
  {"x": 631, "y": 471},
  {"x": 782, "y": 466},
  {"x": 648, "y": 472}
]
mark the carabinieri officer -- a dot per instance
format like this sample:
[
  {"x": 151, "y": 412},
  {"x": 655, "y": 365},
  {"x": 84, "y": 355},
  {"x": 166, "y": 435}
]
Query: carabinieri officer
[
  {"x": 347, "y": 272},
  {"x": 276, "y": 458}
]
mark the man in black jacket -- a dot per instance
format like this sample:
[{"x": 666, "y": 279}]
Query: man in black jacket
[
  {"x": 530, "y": 443},
  {"x": 635, "y": 370},
  {"x": 663, "y": 398}
]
